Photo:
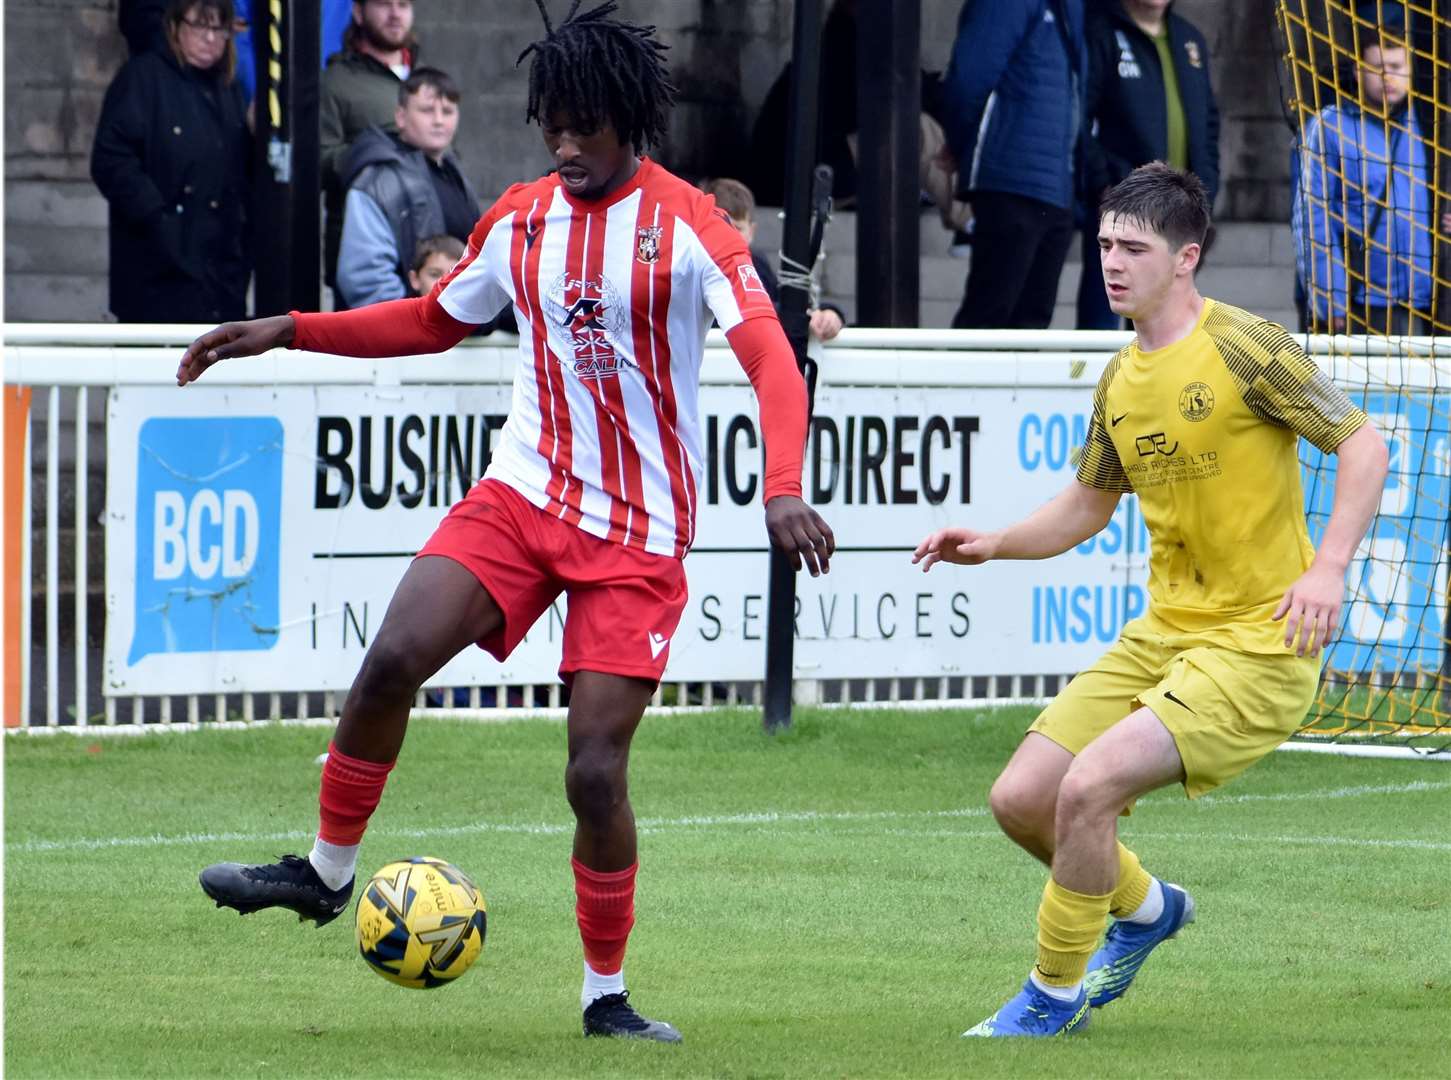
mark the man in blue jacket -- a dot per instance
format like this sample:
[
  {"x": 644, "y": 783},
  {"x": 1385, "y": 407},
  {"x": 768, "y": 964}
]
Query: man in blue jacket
[
  {"x": 1148, "y": 98},
  {"x": 1364, "y": 205},
  {"x": 1011, "y": 107},
  {"x": 402, "y": 189}
]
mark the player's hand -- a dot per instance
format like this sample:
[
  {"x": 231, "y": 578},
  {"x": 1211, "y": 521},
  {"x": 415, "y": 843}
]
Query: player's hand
[
  {"x": 960, "y": 545},
  {"x": 1311, "y": 609},
  {"x": 234, "y": 339},
  {"x": 799, "y": 533},
  {"x": 825, "y": 324}
]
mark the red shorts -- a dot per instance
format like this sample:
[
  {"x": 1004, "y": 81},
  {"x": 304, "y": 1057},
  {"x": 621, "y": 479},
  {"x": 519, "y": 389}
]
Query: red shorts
[{"x": 624, "y": 604}]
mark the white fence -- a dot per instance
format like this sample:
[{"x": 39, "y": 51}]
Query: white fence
[{"x": 1013, "y": 395}]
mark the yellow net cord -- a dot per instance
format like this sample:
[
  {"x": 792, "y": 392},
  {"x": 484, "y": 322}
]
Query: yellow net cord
[{"x": 1367, "y": 88}]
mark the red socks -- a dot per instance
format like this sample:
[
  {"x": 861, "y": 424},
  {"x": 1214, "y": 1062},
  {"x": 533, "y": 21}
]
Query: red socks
[
  {"x": 606, "y": 912},
  {"x": 350, "y": 792}
]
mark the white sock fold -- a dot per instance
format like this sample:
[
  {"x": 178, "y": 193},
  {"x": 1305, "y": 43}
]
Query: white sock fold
[
  {"x": 597, "y": 985},
  {"x": 1061, "y": 993},
  {"x": 334, "y": 863},
  {"x": 1152, "y": 907}
]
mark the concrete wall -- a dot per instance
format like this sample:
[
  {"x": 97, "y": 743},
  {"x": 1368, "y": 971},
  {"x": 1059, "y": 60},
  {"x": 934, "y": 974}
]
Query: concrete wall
[{"x": 61, "y": 54}]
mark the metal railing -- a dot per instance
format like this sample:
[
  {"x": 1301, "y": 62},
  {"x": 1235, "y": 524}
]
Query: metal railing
[{"x": 64, "y": 363}]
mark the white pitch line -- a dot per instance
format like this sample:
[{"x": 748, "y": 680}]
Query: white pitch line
[
  {"x": 771, "y": 817},
  {"x": 767, "y": 817},
  {"x": 1194, "y": 837},
  {"x": 1308, "y": 841},
  {"x": 1334, "y": 793}
]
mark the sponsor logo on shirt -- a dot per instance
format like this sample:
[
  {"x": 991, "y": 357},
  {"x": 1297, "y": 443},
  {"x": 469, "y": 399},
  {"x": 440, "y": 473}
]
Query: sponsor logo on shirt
[
  {"x": 1155, "y": 443},
  {"x": 591, "y": 314},
  {"x": 750, "y": 280}
]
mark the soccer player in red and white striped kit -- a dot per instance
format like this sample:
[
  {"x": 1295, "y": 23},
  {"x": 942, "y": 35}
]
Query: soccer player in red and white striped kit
[{"x": 615, "y": 270}]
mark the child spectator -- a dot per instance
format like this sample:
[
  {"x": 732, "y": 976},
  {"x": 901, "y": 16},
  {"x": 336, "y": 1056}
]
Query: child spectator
[
  {"x": 433, "y": 258},
  {"x": 402, "y": 188},
  {"x": 739, "y": 204}
]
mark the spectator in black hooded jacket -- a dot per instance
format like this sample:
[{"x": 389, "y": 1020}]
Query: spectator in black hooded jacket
[
  {"x": 172, "y": 157},
  {"x": 1139, "y": 109}
]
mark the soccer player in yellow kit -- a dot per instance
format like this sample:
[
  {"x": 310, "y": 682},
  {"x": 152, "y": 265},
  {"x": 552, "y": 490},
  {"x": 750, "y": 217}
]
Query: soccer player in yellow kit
[{"x": 1201, "y": 416}]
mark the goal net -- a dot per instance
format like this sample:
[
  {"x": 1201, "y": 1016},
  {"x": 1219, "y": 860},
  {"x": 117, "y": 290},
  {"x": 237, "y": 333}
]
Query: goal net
[{"x": 1367, "y": 88}]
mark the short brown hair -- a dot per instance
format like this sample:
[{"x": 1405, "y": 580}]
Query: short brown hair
[
  {"x": 1169, "y": 201},
  {"x": 732, "y": 196},
  {"x": 442, "y": 244},
  {"x": 441, "y": 82}
]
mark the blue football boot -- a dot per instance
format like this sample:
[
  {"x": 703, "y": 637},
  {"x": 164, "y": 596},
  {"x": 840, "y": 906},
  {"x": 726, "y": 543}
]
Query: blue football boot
[
  {"x": 1034, "y": 1013},
  {"x": 1127, "y": 945}
]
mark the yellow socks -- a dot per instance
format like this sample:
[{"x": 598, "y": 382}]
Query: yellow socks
[
  {"x": 1069, "y": 926},
  {"x": 1133, "y": 885}
]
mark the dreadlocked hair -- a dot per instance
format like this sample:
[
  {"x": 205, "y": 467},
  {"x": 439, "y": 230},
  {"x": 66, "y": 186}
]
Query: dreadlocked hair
[{"x": 596, "y": 69}]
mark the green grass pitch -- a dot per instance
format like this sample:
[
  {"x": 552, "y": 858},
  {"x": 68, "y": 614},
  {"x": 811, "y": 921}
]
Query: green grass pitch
[{"x": 833, "y": 901}]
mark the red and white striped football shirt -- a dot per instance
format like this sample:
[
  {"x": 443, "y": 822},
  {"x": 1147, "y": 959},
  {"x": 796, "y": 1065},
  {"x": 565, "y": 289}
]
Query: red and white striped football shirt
[{"x": 613, "y": 298}]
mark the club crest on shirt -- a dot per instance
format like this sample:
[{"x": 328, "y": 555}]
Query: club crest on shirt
[
  {"x": 1191, "y": 50},
  {"x": 590, "y": 314},
  {"x": 647, "y": 243},
  {"x": 750, "y": 280},
  {"x": 1196, "y": 401}
]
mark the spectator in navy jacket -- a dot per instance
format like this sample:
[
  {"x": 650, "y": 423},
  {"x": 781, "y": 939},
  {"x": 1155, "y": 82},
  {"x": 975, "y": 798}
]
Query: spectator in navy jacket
[
  {"x": 1148, "y": 98},
  {"x": 1011, "y": 109}
]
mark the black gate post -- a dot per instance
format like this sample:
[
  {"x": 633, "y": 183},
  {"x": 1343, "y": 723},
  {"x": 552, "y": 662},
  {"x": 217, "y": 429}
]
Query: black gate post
[
  {"x": 889, "y": 212},
  {"x": 287, "y": 41},
  {"x": 801, "y": 128}
]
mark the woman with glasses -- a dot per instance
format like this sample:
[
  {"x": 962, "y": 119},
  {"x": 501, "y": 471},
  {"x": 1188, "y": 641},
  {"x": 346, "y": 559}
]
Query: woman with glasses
[{"x": 172, "y": 156}]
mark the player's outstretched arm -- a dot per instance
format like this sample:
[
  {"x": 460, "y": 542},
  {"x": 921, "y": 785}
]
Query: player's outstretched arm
[
  {"x": 1311, "y": 606},
  {"x": 1064, "y": 521},
  {"x": 800, "y": 534},
  {"x": 231, "y": 339},
  {"x": 406, "y": 327}
]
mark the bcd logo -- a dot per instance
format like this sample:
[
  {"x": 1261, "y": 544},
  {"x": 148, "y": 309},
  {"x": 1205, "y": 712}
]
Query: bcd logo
[
  {"x": 184, "y": 538},
  {"x": 208, "y": 523}
]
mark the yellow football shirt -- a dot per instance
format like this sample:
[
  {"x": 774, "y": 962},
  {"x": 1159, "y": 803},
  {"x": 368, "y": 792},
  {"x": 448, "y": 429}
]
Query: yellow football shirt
[{"x": 1206, "y": 431}]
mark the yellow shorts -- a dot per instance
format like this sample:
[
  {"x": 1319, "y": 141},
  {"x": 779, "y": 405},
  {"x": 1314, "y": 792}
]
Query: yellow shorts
[{"x": 1226, "y": 709}]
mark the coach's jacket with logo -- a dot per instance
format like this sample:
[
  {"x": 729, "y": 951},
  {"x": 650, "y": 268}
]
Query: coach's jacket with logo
[{"x": 1124, "y": 104}]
